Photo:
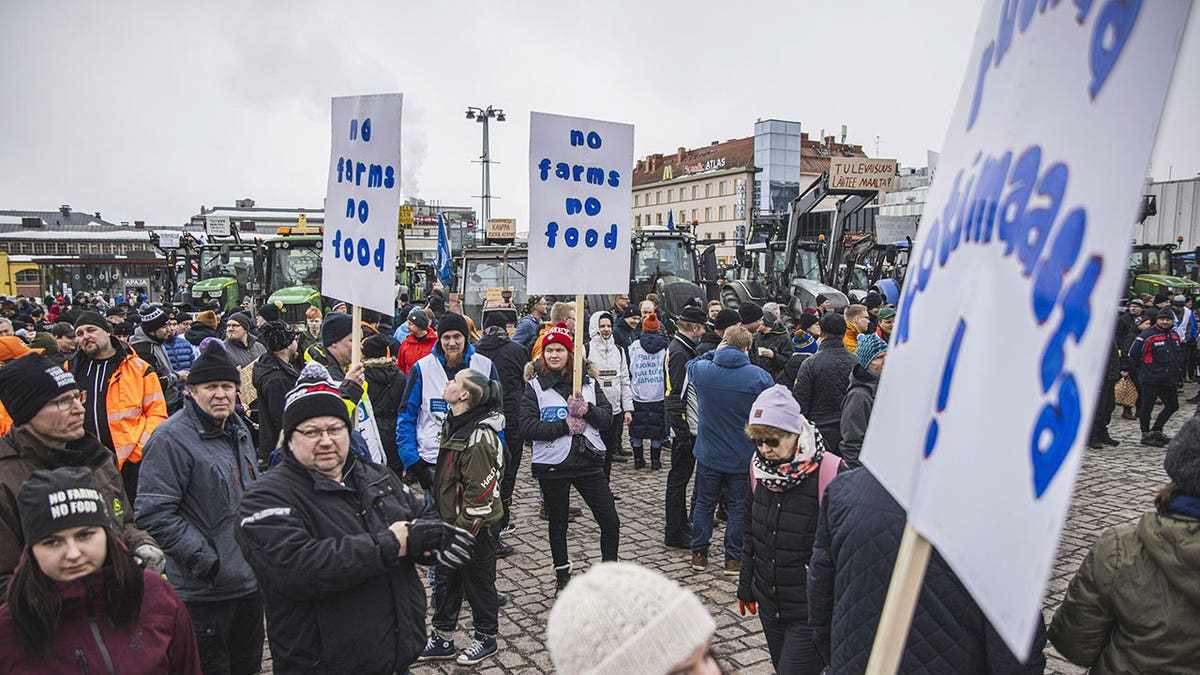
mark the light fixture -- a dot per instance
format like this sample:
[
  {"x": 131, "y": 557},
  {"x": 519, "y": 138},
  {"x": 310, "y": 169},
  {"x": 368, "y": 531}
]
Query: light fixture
[
  {"x": 470, "y": 114},
  {"x": 500, "y": 117}
]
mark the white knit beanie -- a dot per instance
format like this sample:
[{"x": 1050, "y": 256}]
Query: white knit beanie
[{"x": 622, "y": 618}]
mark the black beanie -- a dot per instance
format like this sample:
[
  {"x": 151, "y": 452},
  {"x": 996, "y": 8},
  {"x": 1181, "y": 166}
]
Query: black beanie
[
  {"x": 873, "y": 300},
  {"x": 631, "y": 311},
  {"x": 750, "y": 312},
  {"x": 375, "y": 347},
  {"x": 313, "y": 396},
  {"x": 55, "y": 500},
  {"x": 807, "y": 320},
  {"x": 451, "y": 321},
  {"x": 213, "y": 365},
  {"x": 29, "y": 383},
  {"x": 153, "y": 318},
  {"x": 93, "y": 319},
  {"x": 270, "y": 312},
  {"x": 1182, "y": 461},
  {"x": 277, "y": 335},
  {"x": 337, "y": 325},
  {"x": 726, "y": 318},
  {"x": 833, "y": 325},
  {"x": 499, "y": 319},
  {"x": 242, "y": 319}
]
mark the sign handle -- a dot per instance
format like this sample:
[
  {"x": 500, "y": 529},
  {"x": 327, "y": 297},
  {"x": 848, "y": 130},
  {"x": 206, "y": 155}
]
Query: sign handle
[
  {"x": 901, "y": 602},
  {"x": 578, "y": 337},
  {"x": 355, "y": 335}
]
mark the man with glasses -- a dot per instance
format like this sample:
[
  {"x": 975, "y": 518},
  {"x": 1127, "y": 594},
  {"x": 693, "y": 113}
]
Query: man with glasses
[
  {"x": 48, "y": 432},
  {"x": 197, "y": 465}
]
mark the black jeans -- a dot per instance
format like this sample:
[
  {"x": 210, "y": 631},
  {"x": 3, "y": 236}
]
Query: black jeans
[
  {"x": 129, "y": 476},
  {"x": 476, "y": 580},
  {"x": 1150, "y": 393},
  {"x": 513, "y": 448},
  {"x": 1104, "y": 410},
  {"x": 229, "y": 634},
  {"x": 683, "y": 463},
  {"x": 593, "y": 487},
  {"x": 612, "y": 441},
  {"x": 791, "y": 646}
]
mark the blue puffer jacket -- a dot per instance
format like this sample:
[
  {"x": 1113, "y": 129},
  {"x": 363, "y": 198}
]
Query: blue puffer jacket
[
  {"x": 726, "y": 385},
  {"x": 180, "y": 352}
]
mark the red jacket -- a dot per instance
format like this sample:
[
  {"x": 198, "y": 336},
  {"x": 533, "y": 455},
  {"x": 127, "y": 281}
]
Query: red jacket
[
  {"x": 162, "y": 643},
  {"x": 414, "y": 349}
]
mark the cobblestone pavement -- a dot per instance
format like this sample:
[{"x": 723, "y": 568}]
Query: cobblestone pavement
[{"x": 1115, "y": 486}]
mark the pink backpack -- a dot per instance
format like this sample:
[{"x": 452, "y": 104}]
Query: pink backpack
[{"x": 825, "y": 474}]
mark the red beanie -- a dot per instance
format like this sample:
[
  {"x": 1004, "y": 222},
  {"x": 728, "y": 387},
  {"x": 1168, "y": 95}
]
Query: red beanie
[{"x": 560, "y": 335}]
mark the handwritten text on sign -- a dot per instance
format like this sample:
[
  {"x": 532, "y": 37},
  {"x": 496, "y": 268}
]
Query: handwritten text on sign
[
  {"x": 362, "y": 201},
  {"x": 579, "y": 204},
  {"x": 1019, "y": 253},
  {"x": 862, "y": 173}
]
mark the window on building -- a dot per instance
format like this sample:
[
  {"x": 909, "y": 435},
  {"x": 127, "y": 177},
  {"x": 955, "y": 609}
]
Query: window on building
[
  {"x": 425, "y": 233},
  {"x": 707, "y": 214},
  {"x": 695, "y": 191},
  {"x": 637, "y": 220},
  {"x": 694, "y": 212},
  {"x": 658, "y": 219},
  {"x": 724, "y": 188},
  {"x": 708, "y": 189},
  {"x": 27, "y": 277},
  {"x": 682, "y": 216},
  {"x": 637, "y": 200},
  {"x": 658, "y": 197},
  {"x": 723, "y": 212},
  {"x": 670, "y": 196}
]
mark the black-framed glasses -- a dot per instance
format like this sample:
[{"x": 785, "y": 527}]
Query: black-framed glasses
[
  {"x": 334, "y": 431},
  {"x": 769, "y": 442},
  {"x": 63, "y": 403}
]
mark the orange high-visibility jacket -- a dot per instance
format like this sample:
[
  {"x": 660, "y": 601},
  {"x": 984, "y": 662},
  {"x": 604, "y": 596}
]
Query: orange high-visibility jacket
[{"x": 134, "y": 405}]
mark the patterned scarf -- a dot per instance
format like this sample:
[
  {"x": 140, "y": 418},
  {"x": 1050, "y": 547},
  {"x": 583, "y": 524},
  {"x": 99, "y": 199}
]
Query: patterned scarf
[{"x": 789, "y": 474}]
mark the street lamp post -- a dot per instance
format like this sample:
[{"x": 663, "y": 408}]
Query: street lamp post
[{"x": 483, "y": 115}]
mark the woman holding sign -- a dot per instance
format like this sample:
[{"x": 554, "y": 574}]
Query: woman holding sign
[{"x": 567, "y": 447}]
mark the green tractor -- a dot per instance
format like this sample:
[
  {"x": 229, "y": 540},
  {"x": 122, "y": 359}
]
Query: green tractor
[
  {"x": 228, "y": 271},
  {"x": 293, "y": 271},
  {"x": 1150, "y": 272}
]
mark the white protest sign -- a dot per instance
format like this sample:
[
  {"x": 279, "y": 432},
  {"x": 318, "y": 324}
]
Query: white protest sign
[
  {"x": 1005, "y": 320},
  {"x": 168, "y": 240},
  {"x": 362, "y": 201},
  {"x": 862, "y": 173},
  {"x": 580, "y": 204},
  {"x": 216, "y": 226}
]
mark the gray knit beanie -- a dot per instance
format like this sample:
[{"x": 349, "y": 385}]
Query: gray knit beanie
[
  {"x": 622, "y": 618},
  {"x": 1182, "y": 461}
]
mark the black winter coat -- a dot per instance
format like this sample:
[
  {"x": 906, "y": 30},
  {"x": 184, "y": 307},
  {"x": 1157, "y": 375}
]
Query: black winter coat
[
  {"x": 856, "y": 414},
  {"x": 338, "y": 597},
  {"x": 679, "y": 351},
  {"x": 858, "y": 535},
  {"x": 510, "y": 359},
  {"x": 708, "y": 343},
  {"x": 196, "y": 334},
  {"x": 272, "y": 379},
  {"x": 1156, "y": 356},
  {"x": 779, "y": 533},
  {"x": 821, "y": 383},
  {"x": 787, "y": 376},
  {"x": 779, "y": 341},
  {"x": 1127, "y": 330},
  {"x": 599, "y": 415},
  {"x": 385, "y": 387}
]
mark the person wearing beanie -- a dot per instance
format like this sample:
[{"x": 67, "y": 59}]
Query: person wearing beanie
[
  {"x": 124, "y": 402},
  {"x": 48, "y": 431},
  {"x": 886, "y": 323},
  {"x": 147, "y": 342},
  {"x": 204, "y": 326},
  {"x": 419, "y": 342},
  {"x": 562, "y": 314},
  {"x": 510, "y": 359},
  {"x": 805, "y": 339},
  {"x": 789, "y": 472},
  {"x": 691, "y": 326},
  {"x": 726, "y": 385},
  {"x": 1134, "y": 605},
  {"x": 197, "y": 466},
  {"x": 751, "y": 315},
  {"x": 821, "y": 304},
  {"x": 648, "y": 382},
  {"x": 568, "y": 450},
  {"x": 724, "y": 319},
  {"x": 273, "y": 377},
  {"x": 240, "y": 343},
  {"x": 385, "y": 388},
  {"x": 339, "y": 582},
  {"x": 626, "y": 326},
  {"x": 859, "y": 400},
  {"x": 823, "y": 378},
  {"x": 874, "y": 303},
  {"x": 267, "y": 313},
  {"x": 623, "y": 618},
  {"x": 772, "y": 342},
  {"x": 1155, "y": 358},
  {"x": 424, "y": 411},
  {"x": 79, "y": 601}
]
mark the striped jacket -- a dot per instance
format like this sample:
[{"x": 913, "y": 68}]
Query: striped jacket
[{"x": 1156, "y": 356}]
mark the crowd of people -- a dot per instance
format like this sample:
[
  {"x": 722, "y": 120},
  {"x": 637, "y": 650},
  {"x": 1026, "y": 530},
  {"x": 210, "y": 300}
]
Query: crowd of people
[{"x": 290, "y": 491}]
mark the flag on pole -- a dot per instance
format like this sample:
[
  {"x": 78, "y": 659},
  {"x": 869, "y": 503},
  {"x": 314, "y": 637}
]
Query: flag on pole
[
  {"x": 443, "y": 253},
  {"x": 670, "y": 220}
]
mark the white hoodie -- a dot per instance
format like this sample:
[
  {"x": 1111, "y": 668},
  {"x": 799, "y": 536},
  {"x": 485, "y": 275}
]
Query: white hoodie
[{"x": 612, "y": 362}]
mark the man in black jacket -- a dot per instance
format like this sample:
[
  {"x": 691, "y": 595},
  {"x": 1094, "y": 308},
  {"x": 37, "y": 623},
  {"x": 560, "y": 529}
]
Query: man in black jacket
[
  {"x": 823, "y": 378},
  {"x": 272, "y": 378},
  {"x": 510, "y": 359},
  {"x": 690, "y": 327},
  {"x": 858, "y": 535},
  {"x": 385, "y": 384},
  {"x": 1157, "y": 357},
  {"x": 334, "y": 541}
]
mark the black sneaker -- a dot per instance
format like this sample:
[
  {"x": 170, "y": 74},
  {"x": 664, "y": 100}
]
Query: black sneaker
[
  {"x": 504, "y": 550},
  {"x": 1109, "y": 440},
  {"x": 1150, "y": 439},
  {"x": 480, "y": 648},
  {"x": 501, "y": 599},
  {"x": 1163, "y": 438},
  {"x": 437, "y": 648}
]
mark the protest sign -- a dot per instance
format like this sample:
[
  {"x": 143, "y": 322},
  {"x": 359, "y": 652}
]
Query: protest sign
[
  {"x": 1006, "y": 318},
  {"x": 580, "y": 205},
  {"x": 216, "y": 226},
  {"x": 362, "y": 201},
  {"x": 861, "y": 173}
]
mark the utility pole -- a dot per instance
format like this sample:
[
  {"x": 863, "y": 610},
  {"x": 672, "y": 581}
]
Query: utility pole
[{"x": 483, "y": 116}]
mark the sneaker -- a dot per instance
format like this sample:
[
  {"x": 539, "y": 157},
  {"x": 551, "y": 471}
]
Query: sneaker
[
  {"x": 1163, "y": 438},
  {"x": 1109, "y": 440},
  {"x": 616, "y": 498},
  {"x": 732, "y": 568},
  {"x": 699, "y": 562},
  {"x": 437, "y": 648},
  {"x": 508, "y": 529},
  {"x": 562, "y": 576},
  {"x": 504, "y": 550},
  {"x": 501, "y": 599},
  {"x": 677, "y": 543},
  {"x": 480, "y": 648},
  {"x": 1150, "y": 439}
]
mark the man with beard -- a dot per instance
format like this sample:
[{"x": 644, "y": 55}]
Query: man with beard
[
  {"x": 419, "y": 424},
  {"x": 123, "y": 401}
]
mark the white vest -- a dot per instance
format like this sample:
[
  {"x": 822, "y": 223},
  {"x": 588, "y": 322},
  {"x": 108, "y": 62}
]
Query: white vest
[
  {"x": 647, "y": 374},
  {"x": 554, "y": 407},
  {"x": 434, "y": 408}
]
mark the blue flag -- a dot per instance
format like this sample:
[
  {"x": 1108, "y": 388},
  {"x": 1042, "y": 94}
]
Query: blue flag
[
  {"x": 670, "y": 220},
  {"x": 442, "y": 265}
]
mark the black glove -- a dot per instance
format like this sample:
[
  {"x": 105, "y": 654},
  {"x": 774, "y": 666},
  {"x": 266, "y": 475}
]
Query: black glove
[
  {"x": 423, "y": 471},
  {"x": 430, "y": 540}
]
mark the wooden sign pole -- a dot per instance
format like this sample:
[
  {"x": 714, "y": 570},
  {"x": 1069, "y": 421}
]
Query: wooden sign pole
[
  {"x": 355, "y": 335},
  {"x": 901, "y": 602},
  {"x": 578, "y": 382}
]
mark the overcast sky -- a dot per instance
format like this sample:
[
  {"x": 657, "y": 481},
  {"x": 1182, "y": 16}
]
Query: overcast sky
[{"x": 147, "y": 110}]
